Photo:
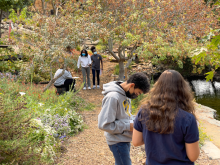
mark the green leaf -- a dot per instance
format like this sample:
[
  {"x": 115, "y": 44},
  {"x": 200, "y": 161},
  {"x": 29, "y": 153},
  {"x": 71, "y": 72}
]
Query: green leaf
[
  {"x": 180, "y": 64},
  {"x": 199, "y": 56},
  {"x": 210, "y": 75},
  {"x": 216, "y": 40}
]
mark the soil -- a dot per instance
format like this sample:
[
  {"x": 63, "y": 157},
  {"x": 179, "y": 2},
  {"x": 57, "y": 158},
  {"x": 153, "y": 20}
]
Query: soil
[{"x": 89, "y": 147}]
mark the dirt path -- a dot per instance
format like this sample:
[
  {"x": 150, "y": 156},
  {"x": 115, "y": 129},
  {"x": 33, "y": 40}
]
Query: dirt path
[{"x": 89, "y": 147}]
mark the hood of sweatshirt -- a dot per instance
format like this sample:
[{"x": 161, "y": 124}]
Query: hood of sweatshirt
[{"x": 112, "y": 87}]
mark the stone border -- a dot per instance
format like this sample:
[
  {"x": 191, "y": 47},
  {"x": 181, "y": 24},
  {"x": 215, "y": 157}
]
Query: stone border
[{"x": 206, "y": 113}]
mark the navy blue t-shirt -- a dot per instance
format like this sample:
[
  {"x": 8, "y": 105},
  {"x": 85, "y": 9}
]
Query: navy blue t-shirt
[{"x": 169, "y": 148}]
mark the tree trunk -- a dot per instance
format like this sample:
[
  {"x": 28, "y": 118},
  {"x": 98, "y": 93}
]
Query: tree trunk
[
  {"x": 121, "y": 71},
  {"x": 1, "y": 13},
  {"x": 43, "y": 7},
  {"x": 54, "y": 7}
]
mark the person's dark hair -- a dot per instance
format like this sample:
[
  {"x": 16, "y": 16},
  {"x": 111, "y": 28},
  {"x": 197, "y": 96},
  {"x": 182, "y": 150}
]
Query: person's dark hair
[
  {"x": 62, "y": 66},
  {"x": 68, "y": 48},
  {"x": 92, "y": 48},
  {"x": 85, "y": 52},
  {"x": 169, "y": 93},
  {"x": 141, "y": 81}
]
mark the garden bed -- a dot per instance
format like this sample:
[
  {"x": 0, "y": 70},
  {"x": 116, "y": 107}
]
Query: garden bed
[{"x": 34, "y": 124}]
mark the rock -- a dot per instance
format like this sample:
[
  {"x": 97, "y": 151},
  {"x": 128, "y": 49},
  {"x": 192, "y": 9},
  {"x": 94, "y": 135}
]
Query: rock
[
  {"x": 211, "y": 150},
  {"x": 146, "y": 67},
  {"x": 134, "y": 66},
  {"x": 143, "y": 148},
  {"x": 23, "y": 30},
  {"x": 139, "y": 68}
]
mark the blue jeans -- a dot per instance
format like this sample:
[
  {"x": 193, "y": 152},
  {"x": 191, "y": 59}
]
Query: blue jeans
[{"x": 121, "y": 152}]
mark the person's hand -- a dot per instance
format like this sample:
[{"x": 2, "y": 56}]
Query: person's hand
[{"x": 131, "y": 126}]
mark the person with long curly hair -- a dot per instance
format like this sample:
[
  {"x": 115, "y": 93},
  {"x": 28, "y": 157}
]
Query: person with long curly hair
[{"x": 167, "y": 124}]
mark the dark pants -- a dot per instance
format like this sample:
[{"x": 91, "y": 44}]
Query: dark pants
[
  {"x": 95, "y": 72},
  {"x": 68, "y": 84},
  {"x": 121, "y": 152}
]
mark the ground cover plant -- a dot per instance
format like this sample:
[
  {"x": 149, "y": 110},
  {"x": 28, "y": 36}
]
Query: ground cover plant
[{"x": 35, "y": 123}]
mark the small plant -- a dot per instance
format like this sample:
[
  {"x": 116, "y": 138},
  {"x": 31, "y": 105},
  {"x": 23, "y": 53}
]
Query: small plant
[
  {"x": 136, "y": 102},
  {"x": 116, "y": 71},
  {"x": 104, "y": 56},
  {"x": 202, "y": 135},
  {"x": 78, "y": 48}
]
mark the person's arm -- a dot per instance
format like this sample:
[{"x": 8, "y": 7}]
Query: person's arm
[
  {"x": 137, "y": 138},
  {"x": 191, "y": 138},
  {"x": 78, "y": 63},
  {"x": 101, "y": 62},
  {"x": 90, "y": 61},
  {"x": 192, "y": 151},
  {"x": 107, "y": 118}
]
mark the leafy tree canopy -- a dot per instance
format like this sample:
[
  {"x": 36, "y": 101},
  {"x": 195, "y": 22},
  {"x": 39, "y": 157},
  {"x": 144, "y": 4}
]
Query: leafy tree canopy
[{"x": 9, "y": 4}]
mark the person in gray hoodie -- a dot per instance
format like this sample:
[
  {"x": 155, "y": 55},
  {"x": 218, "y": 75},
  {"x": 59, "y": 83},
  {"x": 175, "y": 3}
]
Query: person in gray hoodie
[{"x": 115, "y": 117}]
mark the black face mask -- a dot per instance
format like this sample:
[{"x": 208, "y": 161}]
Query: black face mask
[{"x": 131, "y": 96}]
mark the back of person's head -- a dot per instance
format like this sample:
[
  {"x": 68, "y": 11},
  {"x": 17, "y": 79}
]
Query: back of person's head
[
  {"x": 84, "y": 51},
  {"x": 169, "y": 93},
  {"x": 141, "y": 81},
  {"x": 62, "y": 66},
  {"x": 93, "y": 48},
  {"x": 68, "y": 48}
]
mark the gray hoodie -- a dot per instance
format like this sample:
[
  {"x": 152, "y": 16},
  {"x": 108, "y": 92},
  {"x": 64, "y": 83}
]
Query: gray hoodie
[{"x": 114, "y": 117}]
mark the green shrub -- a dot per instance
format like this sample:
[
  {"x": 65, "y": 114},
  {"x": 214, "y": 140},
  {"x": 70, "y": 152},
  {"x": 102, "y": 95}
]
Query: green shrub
[
  {"x": 26, "y": 136},
  {"x": 20, "y": 142},
  {"x": 78, "y": 48},
  {"x": 116, "y": 71},
  {"x": 130, "y": 66},
  {"x": 136, "y": 102},
  {"x": 104, "y": 56}
]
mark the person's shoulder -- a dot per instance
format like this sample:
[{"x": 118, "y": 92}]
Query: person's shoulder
[
  {"x": 186, "y": 116},
  {"x": 115, "y": 95}
]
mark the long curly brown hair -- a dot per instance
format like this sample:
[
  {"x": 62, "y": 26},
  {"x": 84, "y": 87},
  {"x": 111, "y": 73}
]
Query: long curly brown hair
[{"x": 169, "y": 93}]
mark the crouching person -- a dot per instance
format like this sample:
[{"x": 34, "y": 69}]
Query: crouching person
[
  {"x": 65, "y": 81},
  {"x": 115, "y": 118}
]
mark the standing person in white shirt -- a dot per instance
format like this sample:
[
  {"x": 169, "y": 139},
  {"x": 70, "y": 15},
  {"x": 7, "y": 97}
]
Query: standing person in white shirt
[{"x": 85, "y": 62}]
